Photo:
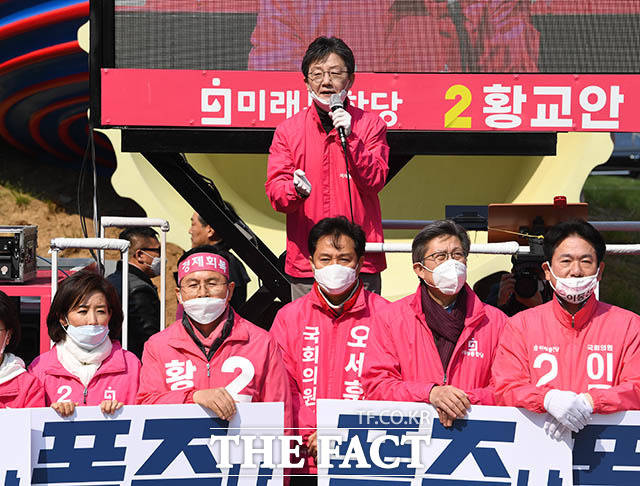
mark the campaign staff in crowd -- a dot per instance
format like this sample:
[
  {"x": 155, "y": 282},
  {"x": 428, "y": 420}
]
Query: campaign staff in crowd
[
  {"x": 18, "y": 389},
  {"x": 573, "y": 356},
  {"x": 437, "y": 345},
  {"x": 143, "y": 315},
  {"x": 324, "y": 335},
  {"x": 203, "y": 234},
  {"x": 306, "y": 174},
  {"x": 87, "y": 365},
  {"x": 212, "y": 356}
]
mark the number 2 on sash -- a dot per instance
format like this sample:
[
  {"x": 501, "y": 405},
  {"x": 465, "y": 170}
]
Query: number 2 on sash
[
  {"x": 553, "y": 372},
  {"x": 242, "y": 380}
]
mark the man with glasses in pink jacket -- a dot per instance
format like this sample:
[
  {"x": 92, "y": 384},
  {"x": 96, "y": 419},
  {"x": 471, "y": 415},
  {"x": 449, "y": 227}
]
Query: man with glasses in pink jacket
[
  {"x": 437, "y": 345},
  {"x": 212, "y": 356},
  {"x": 307, "y": 177}
]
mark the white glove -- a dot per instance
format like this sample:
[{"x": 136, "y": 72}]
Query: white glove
[
  {"x": 554, "y": 429},
  {"x": 571, "y": 410},
  {"x": 584, "y": 406},
  {"x": 301, "y": 183},
  {"x": 341, "y": 118}
]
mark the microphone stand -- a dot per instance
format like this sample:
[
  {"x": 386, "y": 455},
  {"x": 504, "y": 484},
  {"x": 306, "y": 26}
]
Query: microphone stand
[
  {"x": 343, "y": 142},
  {"x": 336, "y": 103}
]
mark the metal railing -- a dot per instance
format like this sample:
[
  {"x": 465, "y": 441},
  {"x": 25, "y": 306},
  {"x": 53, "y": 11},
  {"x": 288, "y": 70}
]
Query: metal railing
[
  {"x": 163, "y": 224},
  {"x": 506, "y": 248},
  {"x": 599, "y": 225}
]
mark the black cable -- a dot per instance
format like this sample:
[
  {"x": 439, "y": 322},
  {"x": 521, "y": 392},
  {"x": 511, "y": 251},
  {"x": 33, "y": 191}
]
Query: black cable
[
  {"x": 49, "y": 262},
  {"x": 96, "y": 210},
  {"x": 88, "y": 152},
  {"x": 346, "y": 162},
  {"x": 79, "y": 192}
]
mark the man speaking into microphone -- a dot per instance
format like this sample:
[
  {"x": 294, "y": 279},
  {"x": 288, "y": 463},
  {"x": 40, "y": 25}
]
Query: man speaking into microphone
[{"x": 311, "y": 175}]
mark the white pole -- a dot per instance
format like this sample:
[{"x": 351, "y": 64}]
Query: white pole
[
  {"x": 163, "y": 224},
  {"x": 101, "y": 236},
  {"x": 90, "y": 244},
  {"x": 124, "y": 221},
  {"x": 623, "y": 249},
  {"x": 54, "y": 273},
  {"x": 507, "y": 248},
  {"x": 163, "y": 277},
  {"x": 599, "y": 225},
  {"x": 125, "y": 298}
]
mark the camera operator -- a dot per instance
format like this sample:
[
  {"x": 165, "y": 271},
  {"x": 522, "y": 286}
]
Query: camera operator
[{"x": 524, "y": 287}]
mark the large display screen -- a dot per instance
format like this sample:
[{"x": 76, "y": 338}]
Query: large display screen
[{"x": 416, "y": 36}]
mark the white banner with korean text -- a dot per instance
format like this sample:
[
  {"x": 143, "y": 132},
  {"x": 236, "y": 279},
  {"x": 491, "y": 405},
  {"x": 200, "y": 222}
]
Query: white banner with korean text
[
  {"x": 360, "y": 443},
  {"x": 15, "y": 446},
  {"x": 156, "y": 445},
  {"x": 375, "y": 443}
]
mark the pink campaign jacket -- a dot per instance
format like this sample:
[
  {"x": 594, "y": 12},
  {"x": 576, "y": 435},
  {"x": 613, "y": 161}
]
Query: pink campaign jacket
[
  {"x": 23, "y": 391},
  {"x": 596, "y": 351},
  {"x": 116, "y": 379},
  {"x": 248, "y": 364},
  {"x": 399, "y": 35},
  {"x": 301, "y": 143},
  {"x": 404, "y": 363},
  {"x": 323, "y": 353}
]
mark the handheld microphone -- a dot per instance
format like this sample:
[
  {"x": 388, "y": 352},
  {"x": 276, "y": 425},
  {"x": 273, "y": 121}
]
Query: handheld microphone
[{"x": 335, "y": 103}]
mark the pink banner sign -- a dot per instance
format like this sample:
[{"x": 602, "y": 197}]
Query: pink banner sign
[{"x": 473, "y": 102}]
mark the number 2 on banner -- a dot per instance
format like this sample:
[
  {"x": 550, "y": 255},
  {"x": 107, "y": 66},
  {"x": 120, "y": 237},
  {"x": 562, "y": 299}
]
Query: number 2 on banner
[{"x": 452, "y": 118}]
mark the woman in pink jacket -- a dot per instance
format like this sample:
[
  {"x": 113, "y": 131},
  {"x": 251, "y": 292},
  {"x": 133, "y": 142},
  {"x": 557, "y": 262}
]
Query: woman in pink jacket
[
  {"x": 87, "y": 365},
  {"x": 18, "y": 389}
]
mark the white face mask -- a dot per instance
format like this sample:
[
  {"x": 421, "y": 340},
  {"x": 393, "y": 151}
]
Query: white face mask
[
  {"x": 155, "y": 264},
  {"x": 324, "y": 104},
  {"x": 205, "y": 310},
  {"x": 4, "y": 344},
  {"x": 87, "y": 337},
  {"x": 575, "y": 290},
  {"x": 449, "y": 277},
  {"x": 335, "y": 279}
]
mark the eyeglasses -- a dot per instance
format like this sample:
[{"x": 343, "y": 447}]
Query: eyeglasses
[
  {"x": 192, "y": 288},
  {"x": 442, "y": 256},
  {"x": 150, "y": 249},
  {"x": 317, "y": 76}
]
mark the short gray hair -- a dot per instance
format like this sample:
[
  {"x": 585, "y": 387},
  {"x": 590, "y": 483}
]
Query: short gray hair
[{"x": 434, "y": 230}]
